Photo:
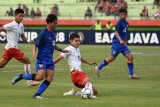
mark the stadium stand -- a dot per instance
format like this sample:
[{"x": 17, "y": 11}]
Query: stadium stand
[{"x": 71, "y": 9}]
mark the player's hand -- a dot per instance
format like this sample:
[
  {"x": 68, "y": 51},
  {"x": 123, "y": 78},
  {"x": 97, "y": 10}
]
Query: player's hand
[
  {"x": 93, "y": 63},
  {"x": 30, "y": 42},
  {"x": 122, "y": 42}
]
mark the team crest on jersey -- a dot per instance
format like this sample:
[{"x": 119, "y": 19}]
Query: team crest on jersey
[{"x": 40, "y": 65}]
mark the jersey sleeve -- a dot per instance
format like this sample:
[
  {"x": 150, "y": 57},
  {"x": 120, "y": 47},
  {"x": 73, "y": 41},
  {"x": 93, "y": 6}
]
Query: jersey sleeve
[
  {"x": 8, "y": 26},
  {"x": 66, "y": 54},
  {"x": 39, "y": 39}
]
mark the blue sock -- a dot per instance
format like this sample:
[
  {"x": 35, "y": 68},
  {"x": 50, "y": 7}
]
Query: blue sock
[
  {"x": 103, "y": 64},
  {"x": 29, "y": 76},
  {"x": 131, "y": 68},
  {"x": 42, "y": 87}
]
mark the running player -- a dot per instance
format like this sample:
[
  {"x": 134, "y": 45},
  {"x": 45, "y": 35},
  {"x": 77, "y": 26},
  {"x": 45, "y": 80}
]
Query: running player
[
  {"x": 119, "y": 45},
  {"x": 46, "y": 43},
  {"x": 15, "y": 31},
  {"x": 74, "y": 59}
]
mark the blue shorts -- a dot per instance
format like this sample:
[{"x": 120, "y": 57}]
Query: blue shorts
[
  {"x": 118, "y": 48},
  {"x": 43, "y": 65}
]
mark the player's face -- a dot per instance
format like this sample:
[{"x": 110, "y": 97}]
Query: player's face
[
  {"x": 19, "y": 17},
  {"x": 54, "y": 24},
  {"x": 75, "y": 42},
  {"x": 123, "y": 15}
]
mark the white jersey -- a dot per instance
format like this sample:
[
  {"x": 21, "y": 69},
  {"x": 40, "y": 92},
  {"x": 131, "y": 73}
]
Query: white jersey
[
  {"x": 14, "y": 31},
  {"x": 73, "y": 57}
]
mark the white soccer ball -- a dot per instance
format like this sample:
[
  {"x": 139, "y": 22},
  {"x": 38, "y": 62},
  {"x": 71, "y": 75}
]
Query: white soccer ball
[
  {"x": 3, "y": 34},
  {"x": 86, "y": 93}
]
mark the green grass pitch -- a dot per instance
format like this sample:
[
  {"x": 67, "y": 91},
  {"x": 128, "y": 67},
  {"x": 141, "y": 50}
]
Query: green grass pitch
[{"x": 114, "y": 86}]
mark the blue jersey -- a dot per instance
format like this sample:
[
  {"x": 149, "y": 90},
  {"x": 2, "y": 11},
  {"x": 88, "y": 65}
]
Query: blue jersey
[
  {"x": 46, "y": 43},
  {"x": 122, "y": 29}
]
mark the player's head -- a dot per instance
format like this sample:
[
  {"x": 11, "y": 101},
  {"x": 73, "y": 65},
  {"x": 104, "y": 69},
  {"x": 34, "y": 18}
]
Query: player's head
[
  {"x": 18, "y": 14},
  {"x": 74, "y": 39},
  {"x": 123, "y": 13},
  {"x": 51, "y": 21}
]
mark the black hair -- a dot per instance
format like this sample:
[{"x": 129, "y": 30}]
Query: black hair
[
  {"x": 122, "y": 10},
  {"x": 51, "y": 18},
  {"x": 17, "y": 11},
  {"x": 74, "y": 35}
]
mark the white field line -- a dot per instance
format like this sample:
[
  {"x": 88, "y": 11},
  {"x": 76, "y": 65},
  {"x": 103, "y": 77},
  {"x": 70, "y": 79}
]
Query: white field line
[{"x": 87, "y": 68}]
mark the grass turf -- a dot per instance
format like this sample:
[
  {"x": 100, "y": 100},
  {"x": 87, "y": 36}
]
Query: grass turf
[{"x": 114, "y": 86}]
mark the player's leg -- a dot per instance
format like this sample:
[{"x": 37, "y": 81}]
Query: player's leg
[
  {"x": 40, "y": 68},
  {"x": 86, "y": 82},
  {"x": 45, "y": 84},
  {"x": 6, "y": 57},
  {"x": 3, "y": 62},
  {"x": 130, "y": 64},
  {"x": 114, "y": 53},
  {"x": 19, "y": 55}
]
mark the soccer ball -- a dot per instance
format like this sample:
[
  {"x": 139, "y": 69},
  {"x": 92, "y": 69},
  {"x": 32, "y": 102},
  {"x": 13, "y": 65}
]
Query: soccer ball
[
  {"x": 86, "y": 93},
  {"x": 3, "y": 34}
]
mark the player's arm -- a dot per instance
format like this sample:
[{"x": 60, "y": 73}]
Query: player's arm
[
  {"x": 59, "y": 49},
  {"x": 87, "y": 62},
  {"x": 60, "y": 57},
  {"x": 119, "y": 38},
  {"x": 34, "y": 49},
  {"x": 118, "y": 25},
  {"x": 2, "y": 29},
  {"x": 26, "y": 40}
]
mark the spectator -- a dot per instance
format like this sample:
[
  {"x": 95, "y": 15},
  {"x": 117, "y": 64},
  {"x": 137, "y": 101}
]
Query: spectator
[
  {"x": 157, "y": 14},
  {"x": 97, "y": 25},
  {"x": 36, "y": 1},
  {"x": 88, "y": 13},
  {"x": 97, "y": 7},
  {"x": 10, "y": 12},
  {"x": 25, "y": 8},
  {"x": 19, "y": 6},
  {"x": 38, "y": 13},
  {"x": 55, "y": 10},
  {"x": 109, "y": 26},
  {"x": 144, "y": 13},
  {"x": 157, "y": 3},
  {"x": 32, "y": 13}
]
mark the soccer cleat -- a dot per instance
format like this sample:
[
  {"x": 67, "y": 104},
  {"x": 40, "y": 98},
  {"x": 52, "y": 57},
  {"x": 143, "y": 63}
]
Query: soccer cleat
[
  {"x": 97, "y": 71},
  {"x": 71, "y": 92},
  {"x": 37, "y": 97},
  {"x": 16, "y": 79},
  {"x": 134, "y": 76},
  {"x": 32, "y": 83},
  {"x": 94, "y": 97}
]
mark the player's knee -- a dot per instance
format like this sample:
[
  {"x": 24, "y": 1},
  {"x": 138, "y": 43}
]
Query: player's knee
[
  {"x": 49, "y": 78},
  {"x": 39, "y": 77},
  {"x": 85, "y": 81},
  {"x": 130, "y": 58},
  {"x": 1, "y": 66}
]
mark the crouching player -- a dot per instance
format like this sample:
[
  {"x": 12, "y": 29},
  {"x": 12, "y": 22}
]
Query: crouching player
[{"x": 74, "y": 59}]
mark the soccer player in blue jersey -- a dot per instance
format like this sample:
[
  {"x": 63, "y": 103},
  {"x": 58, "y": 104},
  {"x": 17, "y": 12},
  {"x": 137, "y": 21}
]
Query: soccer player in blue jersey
[
  {"x": 45, "y": 43},
  {"x": 119, "y": 45}
]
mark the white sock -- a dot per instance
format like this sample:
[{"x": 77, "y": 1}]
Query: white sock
[
  {"x": 27, "y": 68},
  {"x": 88, "y": 85},
  {"x": 78, "y": 93}
]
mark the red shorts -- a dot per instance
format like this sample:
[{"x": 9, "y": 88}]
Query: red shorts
[
  {"x": 13, "y": 53},
  {"x": 77, "y": 78}
]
